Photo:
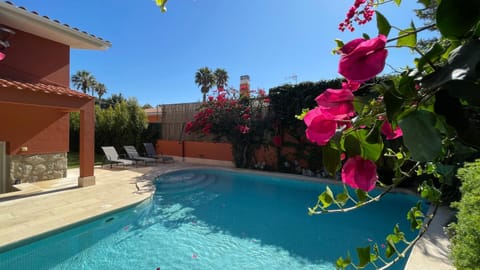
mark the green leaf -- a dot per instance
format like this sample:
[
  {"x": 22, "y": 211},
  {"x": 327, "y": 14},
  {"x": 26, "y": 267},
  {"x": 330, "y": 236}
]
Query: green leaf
[
  {"x": 397, "y": 235},
  {"x": 390, "y": 250},
  {"x": 339, "y": 43},
  {"x": 408, "y": 38},
  {"x": 455, "y": 18},
  {"x": 393, "y": 104},
  {"x": 415, "y": 216},
  {"x": 420, "y": 136},
  {"x": 394, "y": 238},
  {"x": 363, "y": 256},
  {"x": 447, "y": 172},
  {"x": 466, "y": 90},
  {"x": 406, "y": 86},
  {"x": 342, "y": 263},
  {"x": 361, "y": 195},
  {"x": 366, "y": 36},
  {"x": 376, "y": 250},
  {"x": 383, "y": 25},
  {"x": 431, "y": 56},
  {"x": 462, "y": 63},
  {"x": 331, "y": 159},
  {"x": 161, "y": 4},
  {"x": 326, "y": 198},
  {"x": 361, "y": 142},
  {"x": 352, "y": 145},
  {"x": 430, "y": 193},
  {"x": 341, "y": 198}
]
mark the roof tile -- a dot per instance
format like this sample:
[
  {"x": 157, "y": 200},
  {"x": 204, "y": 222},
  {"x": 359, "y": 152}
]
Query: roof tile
[
  {"x": 42, "y": 87},
  {"x": 57, "y": 21}
]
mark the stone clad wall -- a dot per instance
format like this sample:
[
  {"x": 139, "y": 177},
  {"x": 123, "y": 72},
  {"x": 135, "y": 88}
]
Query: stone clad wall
[{"x": 33, "y": 168}]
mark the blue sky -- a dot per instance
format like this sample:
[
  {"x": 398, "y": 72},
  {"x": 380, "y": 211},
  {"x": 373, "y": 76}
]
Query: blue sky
[{"x": 155, "y": 55}]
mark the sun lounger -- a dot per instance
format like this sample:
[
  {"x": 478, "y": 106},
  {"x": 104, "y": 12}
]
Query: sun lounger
[
  {"x": 152, "y": 153},
  {"x": 133, "y": 155},
  {"x": 112, "y": 157}
]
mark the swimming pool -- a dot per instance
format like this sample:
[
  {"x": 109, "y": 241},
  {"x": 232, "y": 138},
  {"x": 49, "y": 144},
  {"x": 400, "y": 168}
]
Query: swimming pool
[{"x": 217, "y": 219}]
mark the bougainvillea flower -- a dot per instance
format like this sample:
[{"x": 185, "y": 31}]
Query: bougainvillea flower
[
  {"x": 337, "y": 102},
  {"x": 277, "y": 141},
  {"x": 363, "y": 59},
  {"x": 188, "y": 127},
  {"x": 360, "y": 173},
  {"x": 321, "y": 126},
  {"x": 351, "y": 85},
  {"x": 207, "y": 128},
  {"x": 244, "y": 129},
  {"x": 389, "y": 133}
]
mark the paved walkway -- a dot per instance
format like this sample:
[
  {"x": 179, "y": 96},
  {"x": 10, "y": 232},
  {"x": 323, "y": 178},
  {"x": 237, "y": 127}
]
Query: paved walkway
[
  {"x": 432, "y": 250},
  {"x": 48, "y": 205}
]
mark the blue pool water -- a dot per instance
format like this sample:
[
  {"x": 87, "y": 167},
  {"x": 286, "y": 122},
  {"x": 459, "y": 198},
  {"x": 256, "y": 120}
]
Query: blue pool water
[{"x": 217, "y": 219}]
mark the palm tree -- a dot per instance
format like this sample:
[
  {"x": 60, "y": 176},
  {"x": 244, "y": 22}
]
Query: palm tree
[
  {"x": 100, "y": 89},
  {"x": 83, "y": 80},
  {"x": 221, "y": 78},
  {"x": 205, "y": 79}
]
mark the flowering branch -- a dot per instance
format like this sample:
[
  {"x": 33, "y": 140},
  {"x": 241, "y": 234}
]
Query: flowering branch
[
  {"x": 313, "y": 210},
  {"x": 426, "y": 27}
]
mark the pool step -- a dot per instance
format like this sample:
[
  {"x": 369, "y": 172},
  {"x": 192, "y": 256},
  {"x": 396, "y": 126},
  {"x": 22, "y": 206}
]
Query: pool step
[{"x": 184, "y": 183}]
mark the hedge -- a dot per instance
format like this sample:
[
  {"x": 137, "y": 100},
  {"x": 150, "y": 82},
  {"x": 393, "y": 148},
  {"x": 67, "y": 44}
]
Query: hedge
[{"x": 466, "y": 239}]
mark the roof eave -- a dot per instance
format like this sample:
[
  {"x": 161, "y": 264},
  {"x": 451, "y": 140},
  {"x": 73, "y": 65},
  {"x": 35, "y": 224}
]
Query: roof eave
[{"x": 30, "y": 22}]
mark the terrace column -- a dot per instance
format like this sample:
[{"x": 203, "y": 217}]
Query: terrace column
[{"x": 87, "y": 144}]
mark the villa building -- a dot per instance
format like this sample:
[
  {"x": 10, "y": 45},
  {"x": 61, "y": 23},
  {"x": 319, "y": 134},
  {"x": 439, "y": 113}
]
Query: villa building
[{"x": 35, "y": 98}]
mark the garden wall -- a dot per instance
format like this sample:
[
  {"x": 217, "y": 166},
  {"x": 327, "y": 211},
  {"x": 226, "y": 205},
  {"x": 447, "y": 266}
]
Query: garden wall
[
  {"x": 199, "y": 150},
  {"x": 265, "y": 156}
]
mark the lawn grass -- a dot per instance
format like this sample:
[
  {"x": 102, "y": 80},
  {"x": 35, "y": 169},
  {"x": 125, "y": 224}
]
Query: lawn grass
[{"x": 74, "y": 160}]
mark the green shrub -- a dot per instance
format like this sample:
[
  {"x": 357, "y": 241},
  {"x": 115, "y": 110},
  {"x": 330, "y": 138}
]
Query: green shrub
[{"x": 466, "y": 241}]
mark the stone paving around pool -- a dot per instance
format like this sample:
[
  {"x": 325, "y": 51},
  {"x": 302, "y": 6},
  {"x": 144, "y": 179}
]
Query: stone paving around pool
[{"x": 44, "y": 206}]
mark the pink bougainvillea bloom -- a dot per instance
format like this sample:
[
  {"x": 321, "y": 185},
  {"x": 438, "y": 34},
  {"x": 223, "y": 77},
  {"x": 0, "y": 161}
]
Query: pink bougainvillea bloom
[
  {"x": 360, "y": 173},
  {"x": 2, "y": 56},
  {"x": 188, "y": 127},
  {"x": 244, "y": 129},
  {"x": 337, "y": 102},
  {"x": 321, "y": 126},
  {"x": 351, "y": 85},
  {"x": 363, "y": 59},
  {"x": 246, "y": 116},
  {"x": 277, "y": 141},
  {"x": 389, "y": 133},
  {"x": 207, "y": 128}
]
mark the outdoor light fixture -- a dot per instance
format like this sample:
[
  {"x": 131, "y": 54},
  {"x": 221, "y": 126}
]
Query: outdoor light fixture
[{"x": 5, "y": 33}]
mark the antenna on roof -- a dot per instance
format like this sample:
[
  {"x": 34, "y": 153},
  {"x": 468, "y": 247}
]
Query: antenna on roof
[{"x": 292, "y": 77}]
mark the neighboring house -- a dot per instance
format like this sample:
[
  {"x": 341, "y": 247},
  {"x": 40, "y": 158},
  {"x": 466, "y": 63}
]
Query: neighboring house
[
  {"x": 154, "y": 115},
  {"x": 35, "y": 99}
]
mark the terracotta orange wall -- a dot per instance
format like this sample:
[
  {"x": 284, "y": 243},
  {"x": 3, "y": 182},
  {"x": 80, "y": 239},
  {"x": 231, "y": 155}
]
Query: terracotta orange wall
[
  {"x": 32, "y": 58},
  {"x": 41, "y": 130},
  {"x": 206, "y": 150},
  {"x": 153, "y": 118},
  {"x": 267, "y": 155}
]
